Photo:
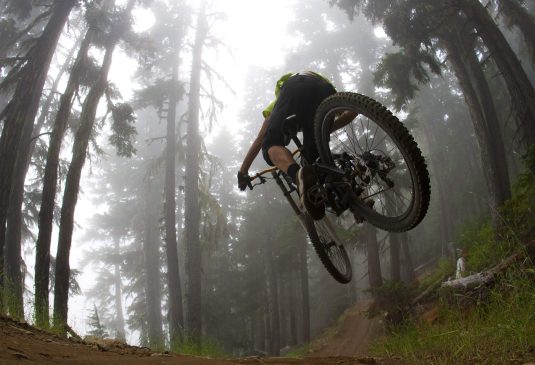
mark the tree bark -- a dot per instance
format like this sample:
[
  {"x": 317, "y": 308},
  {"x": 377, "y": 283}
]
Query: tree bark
[
  {"x": 151, "y": 260},
  {"x": 395, "y": 269},
  {"x": 292, "y": 308},
  {"x": 72, "y": 183},
  {"x": 273, "y": 300},
  {"x": 305, "y": 296},
  {"x": 20, "y": 113},
  {"x": 192, "y": 204},
  {"x": 176, "y": 318},
  {"x": 50, "y": 180},
  {"x": 374, "y": 264},
  {"x": 119, "y": 321},
  {"x": 409, "y": 265}
]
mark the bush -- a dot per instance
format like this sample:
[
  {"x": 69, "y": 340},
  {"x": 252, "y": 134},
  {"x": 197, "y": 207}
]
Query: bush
[{"x": 392, "y": 298}]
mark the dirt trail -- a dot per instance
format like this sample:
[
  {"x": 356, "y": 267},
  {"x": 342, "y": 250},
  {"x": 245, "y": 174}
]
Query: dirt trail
[
  {"x": 353, "y": 336},
  {"x": 23, "y": 344}
]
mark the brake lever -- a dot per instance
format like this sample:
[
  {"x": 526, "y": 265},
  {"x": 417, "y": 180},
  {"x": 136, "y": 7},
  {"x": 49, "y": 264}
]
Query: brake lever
[{"x": 262, "y": 181}]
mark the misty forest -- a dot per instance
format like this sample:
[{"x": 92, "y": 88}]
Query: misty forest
[{"x": 125, "y": 230}]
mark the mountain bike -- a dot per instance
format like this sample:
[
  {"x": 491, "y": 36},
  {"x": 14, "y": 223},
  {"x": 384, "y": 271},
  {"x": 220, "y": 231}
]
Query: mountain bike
[{"x": 371, "y": 169}]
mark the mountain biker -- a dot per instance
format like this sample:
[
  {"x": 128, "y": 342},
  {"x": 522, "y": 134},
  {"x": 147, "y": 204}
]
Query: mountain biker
[{"x": 297, "y": 96}]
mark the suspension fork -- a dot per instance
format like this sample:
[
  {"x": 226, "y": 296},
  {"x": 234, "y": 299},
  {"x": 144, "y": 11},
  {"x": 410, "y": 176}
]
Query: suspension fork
[{"x": 287, "y": 192}]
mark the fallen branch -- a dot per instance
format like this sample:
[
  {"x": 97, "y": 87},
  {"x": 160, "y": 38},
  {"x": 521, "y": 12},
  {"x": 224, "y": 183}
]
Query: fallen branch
[
  {"x": 483, "y": 278},
  {"x": 71, "y": 332}
]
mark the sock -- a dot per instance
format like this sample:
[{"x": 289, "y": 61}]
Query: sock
[{"x": 292, "y": 171}]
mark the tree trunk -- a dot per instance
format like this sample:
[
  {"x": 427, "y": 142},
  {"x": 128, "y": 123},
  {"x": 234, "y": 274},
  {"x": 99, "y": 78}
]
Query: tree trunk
[
  {"x": 14, "y": 278},
  {"x": 50, "y": 180},
  {"x": 516, "y": 15},
  {"x": 72, "y": 183},
  {"x": 520, "y": 89},
  {"x": 395, "y": 270},
  {"x": 490, "y": 143},
  {"x": 292, "y": 308},
  {"x": 192, "y": 204},
  {"x": 409, "y": 265},
  {"x": 20, "y": 113},
  {"x": 151, "y": 260},
  {"x": 438, "y": 161},
  {"x": 305, "y": 296},
  {"x": 273, "y": 299},
  {"x": 119, "y": 324},
  {"x": 260, "y": 343},
  {"x": 267, "y": 320},
  {"x": 176, "y": 319},
  {"x": 374, "y": 264}
]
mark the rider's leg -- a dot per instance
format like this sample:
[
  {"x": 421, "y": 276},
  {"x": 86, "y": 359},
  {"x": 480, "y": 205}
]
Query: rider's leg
[{"x": 281, "y": 157}]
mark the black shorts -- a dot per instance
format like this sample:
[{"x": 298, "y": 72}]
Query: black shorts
[{"x": 300, "y": 95}]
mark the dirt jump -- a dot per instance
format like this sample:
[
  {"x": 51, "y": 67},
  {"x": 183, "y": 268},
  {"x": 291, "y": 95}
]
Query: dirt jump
[{"x": 22, "y": 344}]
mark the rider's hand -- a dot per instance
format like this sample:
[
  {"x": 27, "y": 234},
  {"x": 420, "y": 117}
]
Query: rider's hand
[{"x": 244, "y": 180}]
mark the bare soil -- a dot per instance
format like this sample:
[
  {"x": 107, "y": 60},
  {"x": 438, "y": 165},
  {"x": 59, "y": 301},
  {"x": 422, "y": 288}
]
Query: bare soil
[
  {"x": 22, "y": 344},
  {"x": 353, "y": 336}
]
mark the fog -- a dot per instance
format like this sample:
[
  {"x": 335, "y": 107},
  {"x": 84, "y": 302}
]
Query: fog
[{"x": 154, "y": 241}]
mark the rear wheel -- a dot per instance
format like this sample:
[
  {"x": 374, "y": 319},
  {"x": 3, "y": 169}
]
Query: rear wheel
[
  {"x": 329, "y": 247},
  {"x": 388, "y": 172}
]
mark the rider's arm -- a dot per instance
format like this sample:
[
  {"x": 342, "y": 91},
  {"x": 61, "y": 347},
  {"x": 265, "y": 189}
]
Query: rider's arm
[
  {"x": 343, "y": 120},
  {"x": 255, "y": 148}
]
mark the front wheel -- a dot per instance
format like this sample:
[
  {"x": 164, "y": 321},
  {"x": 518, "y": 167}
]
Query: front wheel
[
  {"x": 385, "y": 167},
  {"x": 329, "y": 247}
]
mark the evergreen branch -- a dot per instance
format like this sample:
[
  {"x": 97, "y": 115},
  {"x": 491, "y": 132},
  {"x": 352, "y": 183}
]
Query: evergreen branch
[{"x": 39, "y": 135}]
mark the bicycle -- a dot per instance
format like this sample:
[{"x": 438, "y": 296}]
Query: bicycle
[{"x": 371, "y": 167}]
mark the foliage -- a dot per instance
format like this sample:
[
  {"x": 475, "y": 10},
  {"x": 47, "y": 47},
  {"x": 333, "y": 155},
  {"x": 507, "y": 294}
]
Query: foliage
[
  {"x": 122, "y": 129},
  {"x": 393, "y": 298},
  {"x": 97, "y": 329},
  {"x": 401, "y": 72}
]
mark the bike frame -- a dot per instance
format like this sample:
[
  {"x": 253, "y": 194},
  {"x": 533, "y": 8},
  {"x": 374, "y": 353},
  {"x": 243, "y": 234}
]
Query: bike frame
[{"x": 287, "y": 187}]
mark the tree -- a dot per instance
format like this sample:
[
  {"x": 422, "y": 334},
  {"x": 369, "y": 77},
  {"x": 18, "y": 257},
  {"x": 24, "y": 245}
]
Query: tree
[
  {"x": 20, "y": 112},
  {"x": 77, "y": 76},
  {"x": 121, "y": 114},
  {"x": 97, "y": 329},
  {"x": 192, "y": 208},
  {"x": 14, "y": 229},
  {"x": 520, "y": 89}
]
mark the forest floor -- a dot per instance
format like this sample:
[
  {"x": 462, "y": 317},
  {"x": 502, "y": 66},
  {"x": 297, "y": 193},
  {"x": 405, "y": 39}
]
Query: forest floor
[{"x": 22, "y": 344}]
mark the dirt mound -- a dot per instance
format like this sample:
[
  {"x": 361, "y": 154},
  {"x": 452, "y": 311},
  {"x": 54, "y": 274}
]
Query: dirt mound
[{"x": 21, "y": 343}]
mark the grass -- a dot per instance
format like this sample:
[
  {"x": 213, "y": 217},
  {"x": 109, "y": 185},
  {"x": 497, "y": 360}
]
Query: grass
[
  {"x": 209, "y": 348},
  {"x": 499, "y": 331},
  {"x": 298, "y": 352},
  {"x": 498, "y": 325}
]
